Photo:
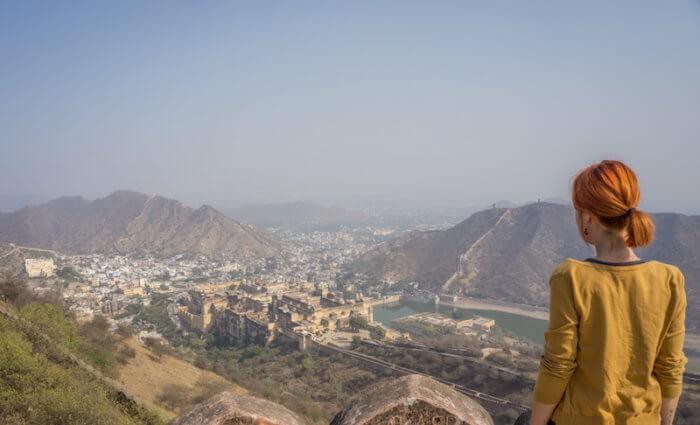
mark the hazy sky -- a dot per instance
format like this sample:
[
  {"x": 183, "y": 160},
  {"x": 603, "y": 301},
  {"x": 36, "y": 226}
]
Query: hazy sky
[{"x": 454, "y": 103}]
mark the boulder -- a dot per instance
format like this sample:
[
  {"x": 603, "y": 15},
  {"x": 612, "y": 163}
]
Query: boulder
[
  {"x": 228, "y": 408},
  {"x": 415, "y": 400}
]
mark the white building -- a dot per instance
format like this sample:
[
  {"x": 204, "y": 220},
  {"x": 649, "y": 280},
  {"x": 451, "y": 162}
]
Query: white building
[{"x": 39, "y": 267}]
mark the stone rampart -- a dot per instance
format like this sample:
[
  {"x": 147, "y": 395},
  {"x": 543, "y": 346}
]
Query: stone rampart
[{"x": 408, "y": 400}]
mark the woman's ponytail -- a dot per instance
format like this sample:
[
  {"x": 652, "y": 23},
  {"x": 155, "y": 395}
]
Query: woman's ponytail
[{"x": 640, "y": 229}]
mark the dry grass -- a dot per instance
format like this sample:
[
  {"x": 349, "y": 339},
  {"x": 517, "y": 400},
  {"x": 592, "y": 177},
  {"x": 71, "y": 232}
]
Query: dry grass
[{"x": 151, "y": 381}]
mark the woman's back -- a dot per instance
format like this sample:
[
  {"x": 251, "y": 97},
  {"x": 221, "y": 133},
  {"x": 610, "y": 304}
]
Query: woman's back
[
  {"x": 614, "y": 343},
  {"x": 614, "y": 347}
]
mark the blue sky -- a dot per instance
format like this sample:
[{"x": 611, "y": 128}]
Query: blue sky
[{"x": 429, "y": 103}]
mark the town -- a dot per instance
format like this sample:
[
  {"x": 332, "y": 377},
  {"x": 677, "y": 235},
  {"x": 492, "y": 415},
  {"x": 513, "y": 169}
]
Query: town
[{"x": 303, "y": 296}]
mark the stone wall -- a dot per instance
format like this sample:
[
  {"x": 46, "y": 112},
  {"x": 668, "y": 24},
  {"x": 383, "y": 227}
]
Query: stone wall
[
  {"x": 408, "y": 400},
  {"x": 237, "y": 326}
]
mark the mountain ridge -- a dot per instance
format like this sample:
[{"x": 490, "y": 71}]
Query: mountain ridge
[
  {"x": 129, "y": 222},
  {"x": 508, "y": 254}
]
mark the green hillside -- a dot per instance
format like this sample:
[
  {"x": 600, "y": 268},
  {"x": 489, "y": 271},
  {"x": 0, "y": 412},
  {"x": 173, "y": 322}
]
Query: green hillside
[{"x": 43, "y": 379}]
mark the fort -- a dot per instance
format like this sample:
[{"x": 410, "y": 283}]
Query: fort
[
  {"x": 247, "y": 311},
  {"x": 39, "y": 267}
]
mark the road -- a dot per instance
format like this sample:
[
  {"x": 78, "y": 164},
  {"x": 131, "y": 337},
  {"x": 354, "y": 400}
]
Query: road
[
  {"x": 463, "y": 357},
  {"x": 17, "y": 248},
  {"x": 10, "y": 252}
]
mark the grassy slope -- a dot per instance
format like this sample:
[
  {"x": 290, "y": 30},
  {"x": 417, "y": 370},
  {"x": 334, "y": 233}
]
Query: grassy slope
[
  {"x": 41, "y": 382},
  {"x": 148, "y": 379}
]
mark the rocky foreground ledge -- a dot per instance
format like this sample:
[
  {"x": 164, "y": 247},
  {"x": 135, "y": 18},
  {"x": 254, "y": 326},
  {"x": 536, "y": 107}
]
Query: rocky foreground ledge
[{"x": 410, "y": 399}]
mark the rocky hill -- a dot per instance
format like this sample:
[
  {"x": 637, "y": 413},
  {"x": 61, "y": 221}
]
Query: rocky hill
[
  {"x": 508, "y": 254},
  {"x": 131, "y": 223}
]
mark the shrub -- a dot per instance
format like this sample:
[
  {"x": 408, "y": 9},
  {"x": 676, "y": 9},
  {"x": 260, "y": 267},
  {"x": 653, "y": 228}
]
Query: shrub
[
  {"x": 125, "y": 331},
  {"x": 14, "y": 290},
  {"x": 201, "y": 362},
  {"x": 125, "y": 354},
  {"x": 175, "y": 396},
  {"x": 209, "y": 388},
  {"x": 158, "y": 347}
]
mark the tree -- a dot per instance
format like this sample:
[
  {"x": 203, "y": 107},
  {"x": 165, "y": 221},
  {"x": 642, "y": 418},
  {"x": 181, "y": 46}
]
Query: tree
[
  {"x": 378, "y": 333},
  {"x": 358, "y": 322},
  {"x": 96, "y": 330},
  {"x": 68, "y": 273},
  {"x": 13, "y": 289},
  {"x": 498, "y": 333},
  {"x": 461, "y": 371},
  {"x": 356, "y": 342},
  {"x": 307, "y": 365}
]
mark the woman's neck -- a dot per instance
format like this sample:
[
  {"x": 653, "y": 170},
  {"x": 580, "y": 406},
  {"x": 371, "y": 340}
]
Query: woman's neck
[{"x": 614, "y": 252}]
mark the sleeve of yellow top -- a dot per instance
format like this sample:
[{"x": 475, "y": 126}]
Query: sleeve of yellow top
[
  {"x": 670, "y": 361},
  {"x": 561, "y": 340}
]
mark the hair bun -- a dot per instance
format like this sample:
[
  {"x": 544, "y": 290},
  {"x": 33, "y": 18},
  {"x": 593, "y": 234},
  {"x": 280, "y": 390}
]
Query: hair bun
[{"x": 606, "y": 190}]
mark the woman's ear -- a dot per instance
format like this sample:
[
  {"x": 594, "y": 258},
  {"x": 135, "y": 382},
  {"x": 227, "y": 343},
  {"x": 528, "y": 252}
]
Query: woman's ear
[{"x": 586, "y": 219}]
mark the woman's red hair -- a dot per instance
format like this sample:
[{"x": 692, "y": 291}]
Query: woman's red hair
[{"x": 609, "y": 191}]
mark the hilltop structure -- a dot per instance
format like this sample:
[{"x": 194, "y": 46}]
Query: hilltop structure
[
  {"x": 202, "y": 301},
  {"x": 39, "y": 267}
]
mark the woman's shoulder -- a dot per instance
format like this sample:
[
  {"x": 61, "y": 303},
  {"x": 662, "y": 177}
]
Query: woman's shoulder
[
  {"x": 670, "y": 268},
  {"x": 663, "y": 271},
  {"x": 568, "y": 266},
  {"x": 670, "y": 272},
  {"x": 565, "y": 270}
]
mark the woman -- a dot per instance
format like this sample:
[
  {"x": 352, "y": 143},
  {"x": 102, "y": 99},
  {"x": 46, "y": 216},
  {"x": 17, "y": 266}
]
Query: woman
[{"x": 613, "y": 352}]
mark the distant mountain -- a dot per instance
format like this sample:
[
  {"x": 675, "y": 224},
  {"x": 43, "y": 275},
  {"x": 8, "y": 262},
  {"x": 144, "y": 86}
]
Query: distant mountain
[
  {"x": 131, "y": 223},
  {"x": 505, "y": 204},
  {"x": 296, "y": 214},
  {"x": 509, "y": 254},
  {"x": 559, "y": 201}
]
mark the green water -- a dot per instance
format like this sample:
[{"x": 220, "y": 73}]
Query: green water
[{"x": 523, "y": 326}]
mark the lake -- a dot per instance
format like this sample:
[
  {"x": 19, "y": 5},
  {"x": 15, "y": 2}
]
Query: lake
[
  {"x": 527, "y": 327},
  {"x": 523, "y": 326}
]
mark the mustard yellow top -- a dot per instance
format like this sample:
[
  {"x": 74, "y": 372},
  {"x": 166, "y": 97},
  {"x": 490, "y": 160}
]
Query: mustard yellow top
[{"x": 614, "y": 346}]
